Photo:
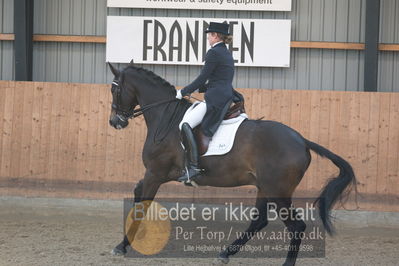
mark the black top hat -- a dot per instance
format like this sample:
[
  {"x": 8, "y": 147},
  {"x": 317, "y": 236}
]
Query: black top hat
[{"x": 218, "y": 27}]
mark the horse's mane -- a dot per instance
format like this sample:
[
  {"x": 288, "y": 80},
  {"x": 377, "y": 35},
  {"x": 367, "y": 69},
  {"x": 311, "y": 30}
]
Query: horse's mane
[
  {"x": 172, "y": 113},
  {"x": 151, "y": 76}
]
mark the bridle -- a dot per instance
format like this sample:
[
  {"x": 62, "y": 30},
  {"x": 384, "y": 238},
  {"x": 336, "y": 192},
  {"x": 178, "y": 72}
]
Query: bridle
[{"x": 125, "y": 114}]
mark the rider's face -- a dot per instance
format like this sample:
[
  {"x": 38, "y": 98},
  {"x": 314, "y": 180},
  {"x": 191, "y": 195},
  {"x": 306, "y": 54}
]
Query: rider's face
[{"x": 213, "y": 38}]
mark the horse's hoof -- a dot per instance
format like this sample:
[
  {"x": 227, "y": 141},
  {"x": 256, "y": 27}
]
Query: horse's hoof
[
  {"x": 288, "y": 264},
  {"x": 221, "y": 260},
  {"x": 118, "y": 251}
]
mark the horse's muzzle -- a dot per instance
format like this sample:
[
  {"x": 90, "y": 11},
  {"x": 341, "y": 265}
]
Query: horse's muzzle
[{"x": 118, "y": 122}]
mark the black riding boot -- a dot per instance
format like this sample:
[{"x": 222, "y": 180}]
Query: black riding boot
[{"x": 193, "y": 172}]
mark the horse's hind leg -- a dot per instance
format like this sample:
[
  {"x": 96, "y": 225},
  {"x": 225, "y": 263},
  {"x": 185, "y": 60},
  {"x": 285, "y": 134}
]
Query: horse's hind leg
[
  {"x": 295, "y": 226},
  {"x": 255, "y": 226}
]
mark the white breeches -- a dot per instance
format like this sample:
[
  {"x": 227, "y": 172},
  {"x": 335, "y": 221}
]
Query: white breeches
[{"x": 195, "y": 116}]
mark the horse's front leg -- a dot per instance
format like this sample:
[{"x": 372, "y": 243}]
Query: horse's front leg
[
  {"x": 138, "y": 191},
  {"x": 145, "y": 189}
]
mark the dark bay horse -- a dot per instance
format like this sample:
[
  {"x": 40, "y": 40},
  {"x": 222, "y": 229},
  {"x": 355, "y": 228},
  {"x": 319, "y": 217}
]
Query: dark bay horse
[{"x": 266, "y": 154}]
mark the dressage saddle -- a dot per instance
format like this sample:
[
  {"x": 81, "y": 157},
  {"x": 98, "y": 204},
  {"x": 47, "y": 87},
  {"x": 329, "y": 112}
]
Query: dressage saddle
[{"x": 234, "y": 111}]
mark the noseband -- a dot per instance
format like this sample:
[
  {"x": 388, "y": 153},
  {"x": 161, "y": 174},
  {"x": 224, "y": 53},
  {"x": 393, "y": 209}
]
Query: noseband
[{"x": 125, "y": 114}]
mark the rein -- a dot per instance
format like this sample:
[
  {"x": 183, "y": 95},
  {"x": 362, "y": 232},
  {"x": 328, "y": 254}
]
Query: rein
[
  {"x": 141, "y": 111},
  {"x": 135, "y": 112}
]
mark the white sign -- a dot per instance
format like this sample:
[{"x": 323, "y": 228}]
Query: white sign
[
  {"x": 182, "y": 41},
  {"x": 256, "y": 5}
]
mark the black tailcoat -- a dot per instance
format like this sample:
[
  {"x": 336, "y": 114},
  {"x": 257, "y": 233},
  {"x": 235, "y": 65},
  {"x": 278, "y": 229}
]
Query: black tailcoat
[{"x": 215, "y": 79}]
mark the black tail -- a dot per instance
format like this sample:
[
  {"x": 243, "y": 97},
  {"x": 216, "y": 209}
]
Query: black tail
[{"x": 335, "y": 187}]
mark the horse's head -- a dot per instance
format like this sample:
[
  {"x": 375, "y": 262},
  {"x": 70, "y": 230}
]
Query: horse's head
[{"x": 124, "y": 100}]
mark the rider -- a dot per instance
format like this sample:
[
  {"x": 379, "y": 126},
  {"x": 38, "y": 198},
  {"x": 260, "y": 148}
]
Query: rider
[{"x": 215, "y": 80}]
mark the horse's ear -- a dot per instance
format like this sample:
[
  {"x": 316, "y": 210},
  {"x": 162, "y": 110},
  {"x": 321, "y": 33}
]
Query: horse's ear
[
  {"x": 113, "y": 69},
  {"x": 131, "y": 63}
]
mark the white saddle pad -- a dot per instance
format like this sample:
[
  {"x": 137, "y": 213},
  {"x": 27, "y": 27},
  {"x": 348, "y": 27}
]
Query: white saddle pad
[{"x": 223, "y": 140}]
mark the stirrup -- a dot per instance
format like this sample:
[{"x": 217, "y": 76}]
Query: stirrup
[{"x": 190, "y": 181}]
